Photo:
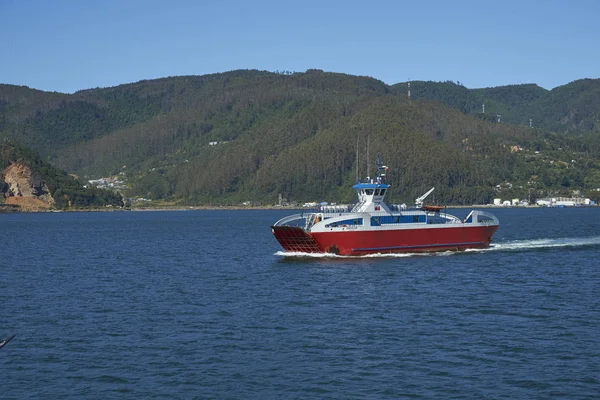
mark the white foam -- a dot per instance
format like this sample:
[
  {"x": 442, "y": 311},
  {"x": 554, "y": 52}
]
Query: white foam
[
  {"x": 297, "y": 254},
  {"x": 541, "y": 244},
  {"x": 306, "y": 255}
]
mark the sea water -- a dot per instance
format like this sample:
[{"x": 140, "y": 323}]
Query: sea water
[{"x": 203, "y": 304}]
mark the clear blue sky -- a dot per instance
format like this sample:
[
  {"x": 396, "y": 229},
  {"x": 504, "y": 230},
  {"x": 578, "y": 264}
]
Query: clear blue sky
[{"x": 69, "y": 45}]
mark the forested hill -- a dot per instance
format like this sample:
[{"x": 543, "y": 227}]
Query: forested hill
[
  {"x": 573, "y": 108},
  {"x": 252, "y": 135},
  {"x": 39, "y": 185}
]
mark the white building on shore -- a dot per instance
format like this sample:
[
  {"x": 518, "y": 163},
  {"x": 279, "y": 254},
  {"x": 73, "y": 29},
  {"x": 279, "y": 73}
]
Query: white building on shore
[{"x": 564, "y": 202}]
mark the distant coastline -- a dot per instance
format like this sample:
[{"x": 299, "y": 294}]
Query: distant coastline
[{"x": 9, "y": 208}]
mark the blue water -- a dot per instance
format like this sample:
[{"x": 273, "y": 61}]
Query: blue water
[{"x": 201, "y": 304}]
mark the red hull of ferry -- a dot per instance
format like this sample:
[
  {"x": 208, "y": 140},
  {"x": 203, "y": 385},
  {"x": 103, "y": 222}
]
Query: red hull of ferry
[{"x": 362, "y": 242}]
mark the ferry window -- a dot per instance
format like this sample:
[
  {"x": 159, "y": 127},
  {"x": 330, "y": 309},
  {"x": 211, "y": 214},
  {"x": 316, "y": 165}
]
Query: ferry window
[
  {"x": 386, "y": 220},
  {"x": 369, "y": 192},
  {"x": 376, "y": 192},
  {"x": 345, "y": 223},
  {"x": 382, "y": 192},
  {"x": 415, "y": 218}
]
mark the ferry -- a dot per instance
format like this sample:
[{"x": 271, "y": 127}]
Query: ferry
[{"x": 372, "y": 226}]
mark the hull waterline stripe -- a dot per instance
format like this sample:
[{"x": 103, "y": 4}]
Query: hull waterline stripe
[{"x": 419, "y": 246}]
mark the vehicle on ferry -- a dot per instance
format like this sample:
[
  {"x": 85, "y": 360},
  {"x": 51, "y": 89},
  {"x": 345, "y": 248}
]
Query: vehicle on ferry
[{"x": 372, "y": 226}]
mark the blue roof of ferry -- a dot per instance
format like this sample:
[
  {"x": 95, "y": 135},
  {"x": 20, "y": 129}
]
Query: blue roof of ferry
[{"x": 371, "y": 186}]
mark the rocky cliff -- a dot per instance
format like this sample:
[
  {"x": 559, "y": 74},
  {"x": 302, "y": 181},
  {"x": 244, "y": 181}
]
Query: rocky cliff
[{"x": 24, "y": 188}]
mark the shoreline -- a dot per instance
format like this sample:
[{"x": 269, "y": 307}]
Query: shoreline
[{"x": 7, "y": 208}]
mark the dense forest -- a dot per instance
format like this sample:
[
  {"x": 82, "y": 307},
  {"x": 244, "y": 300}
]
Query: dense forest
[
  {"x": 572, "y": 108},
  {"x": 252, "y": 135}
]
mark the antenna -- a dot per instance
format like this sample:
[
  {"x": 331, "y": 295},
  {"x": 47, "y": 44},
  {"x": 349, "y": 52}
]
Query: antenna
[
  {"x": 409, "y": 89},
  {"x": 483, "y": 108}
]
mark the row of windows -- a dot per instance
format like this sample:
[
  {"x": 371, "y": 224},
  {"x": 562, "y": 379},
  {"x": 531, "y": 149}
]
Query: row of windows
[
  {"x": 378, "y": 192},
  {"x": 398, "y": 219},
  {"x": 389, "y": 219},
  {"x": 346, "y": 222}
]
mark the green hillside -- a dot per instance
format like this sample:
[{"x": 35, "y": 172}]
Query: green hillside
[
  {"x": 251, "y": 135},
  {"x": 66, "y": 191},
  {"x": 573, "y": 108}
]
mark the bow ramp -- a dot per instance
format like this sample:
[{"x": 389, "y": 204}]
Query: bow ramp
[{"x": 295, "y": 239}]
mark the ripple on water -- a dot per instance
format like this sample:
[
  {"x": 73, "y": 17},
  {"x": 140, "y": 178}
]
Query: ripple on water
[{"x": 154, "y": 305}]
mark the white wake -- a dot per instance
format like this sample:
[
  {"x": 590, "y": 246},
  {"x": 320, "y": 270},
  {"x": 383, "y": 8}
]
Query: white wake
[
  {"x": 373, "y": 255},
  {"x": 515, "y": 245}
]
